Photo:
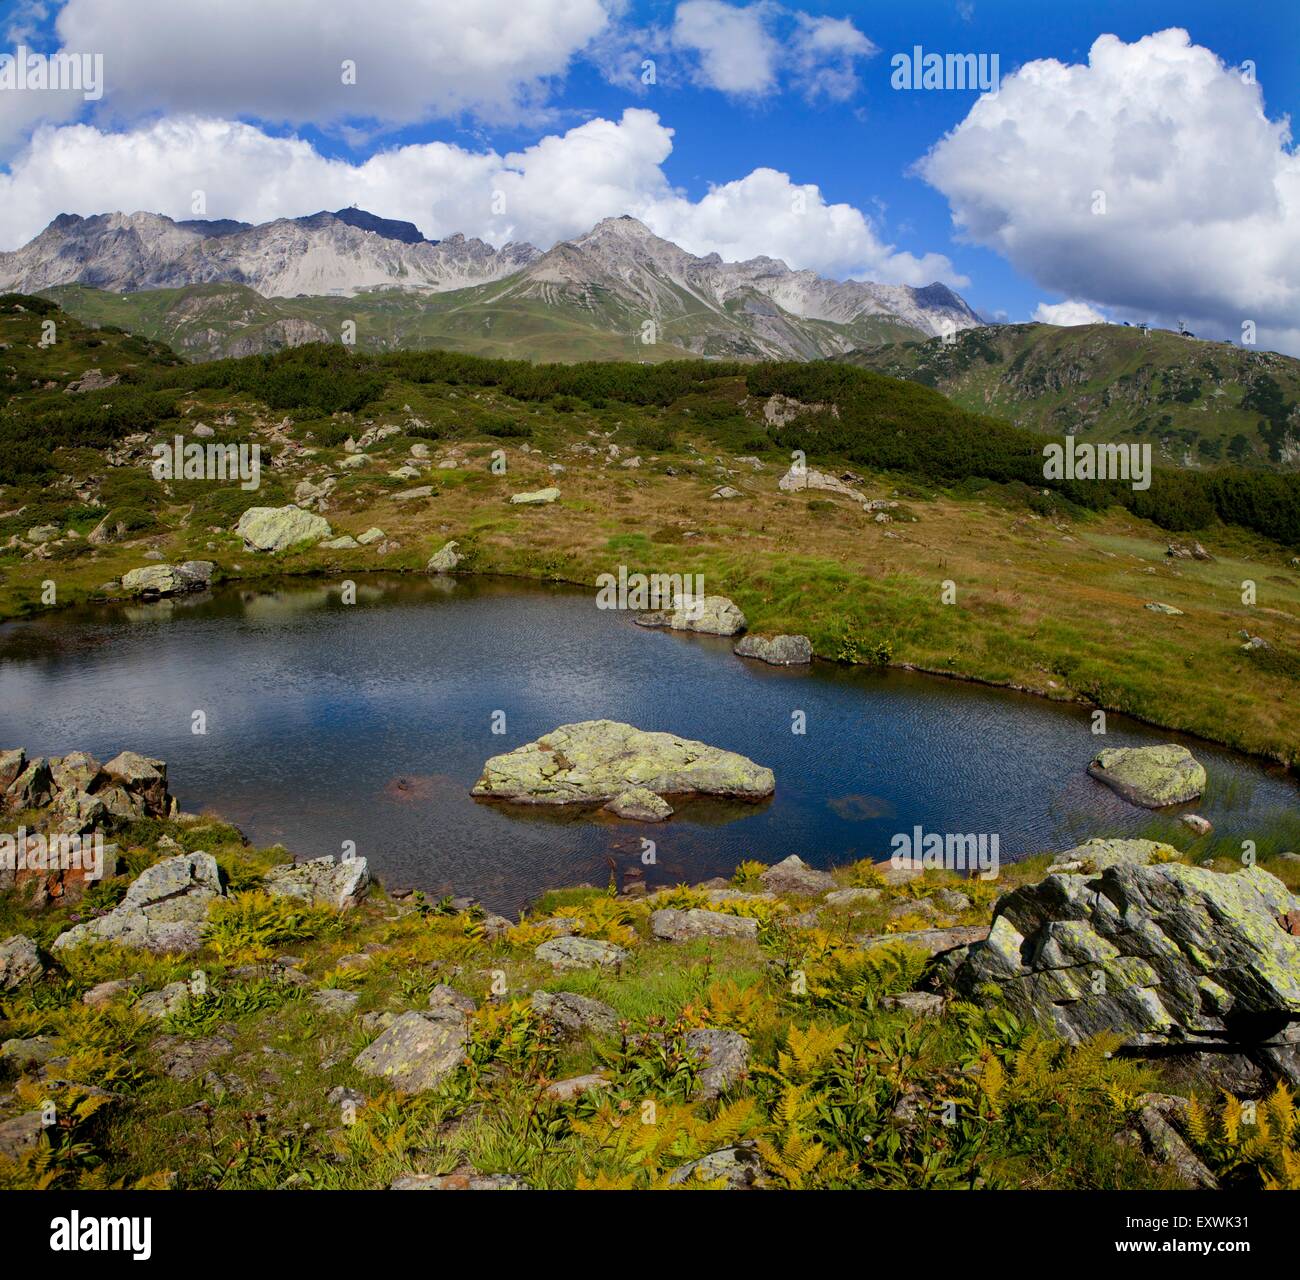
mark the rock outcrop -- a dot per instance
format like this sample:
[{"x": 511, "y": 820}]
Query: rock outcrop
[
  {"x": 1165, "y": 954},
  {"x": 595, "y": 761},
  {"x": 1150, "y": 776}
]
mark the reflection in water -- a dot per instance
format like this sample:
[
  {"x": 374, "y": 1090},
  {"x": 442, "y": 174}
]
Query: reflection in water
[{"x": 370, "y": 722}]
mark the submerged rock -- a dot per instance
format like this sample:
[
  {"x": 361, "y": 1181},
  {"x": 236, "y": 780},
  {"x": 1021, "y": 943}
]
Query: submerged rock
[
  {"x": 640, "y": 805},
  {"x": 1150, "y": 776},
  {"x": 279, "y": 528},
  {"x": 1164, "y": 954},
  {"x": 599, "y": 760},
  {"x": 779, "y": 651}
]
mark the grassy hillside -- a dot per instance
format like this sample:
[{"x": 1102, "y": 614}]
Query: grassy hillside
[
  {"x": 1052, "y": 583},
  {"x": 1198, "y": 403},
  {"x": 211, "y": 321}
]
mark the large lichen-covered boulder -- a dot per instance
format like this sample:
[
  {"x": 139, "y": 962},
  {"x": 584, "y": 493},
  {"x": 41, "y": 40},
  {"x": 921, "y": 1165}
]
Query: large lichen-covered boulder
[
  {"x": 1164, "y": 954},
  {"x": 1151, "y": 776},
  {"x": 581, "y": 953},
  {"x": 279, "y": 528},
  {"x": 574, "y": 1015},
  {"x": 154, "y": 580},
  {"x": 723, "y": 1057},
  {"x": 163, "y": 910},
  {"x": 415, "y": 1053},
  {"x": 777, "y": 651},
  {"x": 710, "y": 615},
  {"x": 596, "y": 760},
  {"x": 446, "y": 559},
  {"x": 322, "y": 881}
]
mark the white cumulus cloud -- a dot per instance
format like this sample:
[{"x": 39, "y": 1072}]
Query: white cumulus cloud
[
  {"x": 1069, "y": 312},
  {"x": 1149, "y": 181},
  {"x": 285, "y": 61}
]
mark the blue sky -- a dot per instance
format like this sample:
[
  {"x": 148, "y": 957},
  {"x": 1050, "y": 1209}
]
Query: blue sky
[{"x": 539, "y": 106}]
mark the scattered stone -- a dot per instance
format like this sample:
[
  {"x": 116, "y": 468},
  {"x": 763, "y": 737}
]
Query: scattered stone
[
  {"x": 469, "y": 1181},
  {"x": 794, "y": 875},
  {"x": 575, "y": 1015},
  {"x": 597, "y": 760},
  {"x": 155, "y": 580},
  {"x": 1202, "y": 826},
  {"x": 581, "y": 953},
  {"x": 575, "y": 1086},
  {"x": 922, "y": 1003},
  {"x": 850, "y": 897},
  {"x": 672, "y": 925},
  {"x": 725, "y": 492},
  {"x": 779, "y": 651},
  {"x": 1150, "y": 776},
  {"x": 446, "y": 559},
  {"x": 799, "y": 478},
  {"x": 538, "y": 497},
  {"x": 31, "y": 1051},
  {"x": 738, "y": 1168},
  {"x": 346, "y": 543},
  {"x": 275, "y": 529},
  {"x": 335, "y": 999},
  {"x": 414, "y": 495},
  {"x": 415, "y": 1053},
  {"x": 103, "y": 992},
  {"x": 182, "y": 1058},
  {"x": 371, "y": 535},
  {"x": 952, "y": 900},
  {"x": 159, "y": 1004},
  {"x": 447, "y": 1002},
  {"x": 19, "y": 962},
  {"x": 1168, "y": 1147},
  {"x": 932, "y": 941},
  {"x": 1156, "y": 607},
  {"x": 725, "y": 1059},
  {"x": 321, "y": 881},
  {"x": 639, "y": 805},
  {"x": 20, "y": 1134}
]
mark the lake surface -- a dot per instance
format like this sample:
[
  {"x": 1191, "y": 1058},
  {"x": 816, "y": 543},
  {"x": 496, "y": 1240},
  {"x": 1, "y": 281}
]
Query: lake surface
[{"x": 370, "y": 722}]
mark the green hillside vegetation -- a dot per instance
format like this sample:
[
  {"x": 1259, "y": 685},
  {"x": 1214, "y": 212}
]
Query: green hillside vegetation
[{"x": 1199, "y": 404}]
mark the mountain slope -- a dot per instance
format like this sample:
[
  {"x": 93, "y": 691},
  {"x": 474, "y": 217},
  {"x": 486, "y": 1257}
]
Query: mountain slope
[
  {"x": 1198, "y": 403},
  {"x": 619, "y": 291},
  {"x": 326, "y": 253}
]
